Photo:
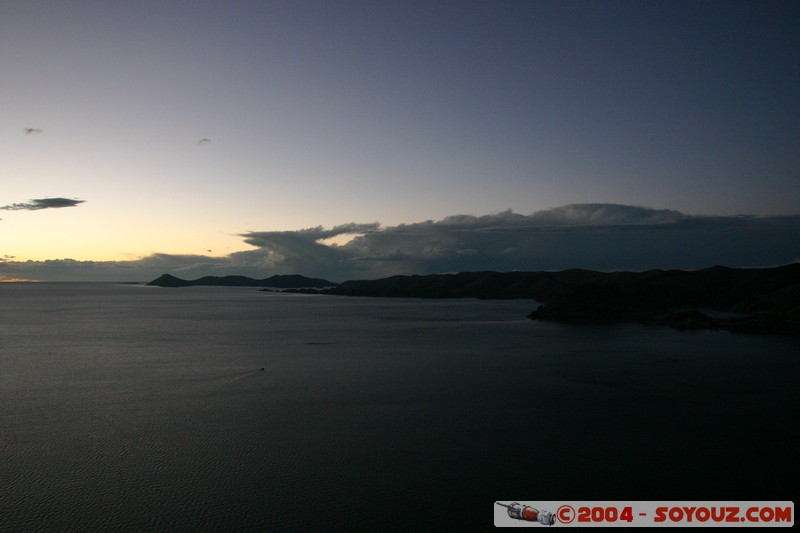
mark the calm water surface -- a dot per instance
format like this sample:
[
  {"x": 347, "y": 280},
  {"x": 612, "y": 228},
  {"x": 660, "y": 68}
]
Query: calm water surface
[{"x": 127, "y": 407}]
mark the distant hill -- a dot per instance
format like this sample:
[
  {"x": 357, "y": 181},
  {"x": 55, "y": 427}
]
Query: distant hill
[
  {"x": 765, "y": 300},
  {"x": 759, "y": 300},
  {"x": 293, "y": 281},
  {"x": 485, "y": 285}
]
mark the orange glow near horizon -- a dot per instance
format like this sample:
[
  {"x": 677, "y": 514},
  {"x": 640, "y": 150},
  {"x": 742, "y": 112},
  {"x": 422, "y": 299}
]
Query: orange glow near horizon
[{"x": 4, "y": 279}]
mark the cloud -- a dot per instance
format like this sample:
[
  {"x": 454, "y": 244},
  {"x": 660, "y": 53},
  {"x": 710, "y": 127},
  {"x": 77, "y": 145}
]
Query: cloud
[
  {"x": 592, "y": 236},
  {"x": 31, "y": 131},
  {"x": 604, "y": 215},
  {"x": 301, "y": 251},
  {"x": 144, "y": 269},
  {"x": 43, "y": 203}
]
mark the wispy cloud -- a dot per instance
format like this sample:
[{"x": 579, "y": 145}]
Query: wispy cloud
[{"x": 42, "y": 203}]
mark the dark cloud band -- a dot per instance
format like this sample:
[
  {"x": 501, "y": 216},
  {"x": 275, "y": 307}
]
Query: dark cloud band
[
  {"x": 602, "y": 237},
  {"x": 595, "y": 236},
  {"x": 42, "y": 203}
]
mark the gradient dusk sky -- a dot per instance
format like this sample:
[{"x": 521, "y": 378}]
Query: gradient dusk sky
[{"x": 238, "y": 135}]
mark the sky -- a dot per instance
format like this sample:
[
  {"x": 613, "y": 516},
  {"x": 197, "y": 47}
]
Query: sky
[{"x": 358, "y": 139}]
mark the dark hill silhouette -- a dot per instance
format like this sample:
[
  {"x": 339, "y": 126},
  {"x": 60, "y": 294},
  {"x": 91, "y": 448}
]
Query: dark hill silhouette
[
  {"x": 487, "y": 285},
  {"x": 765, "y": 300},
  {"x": 293, "y": 281}
]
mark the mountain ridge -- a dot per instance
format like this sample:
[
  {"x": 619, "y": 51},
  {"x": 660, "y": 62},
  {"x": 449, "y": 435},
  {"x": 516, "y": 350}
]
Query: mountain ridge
[{"x": 758, "y": 300}]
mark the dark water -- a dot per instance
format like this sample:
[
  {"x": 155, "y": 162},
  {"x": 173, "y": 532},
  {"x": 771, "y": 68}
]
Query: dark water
[{"x": 140, "y": 408}]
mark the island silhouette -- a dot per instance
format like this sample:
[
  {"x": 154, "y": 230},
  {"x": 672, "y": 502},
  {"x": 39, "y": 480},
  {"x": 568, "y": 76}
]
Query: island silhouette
[{"x": 277, "y": 281}]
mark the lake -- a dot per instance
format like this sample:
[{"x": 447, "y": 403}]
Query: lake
[{"x": 126, "y": 407}]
